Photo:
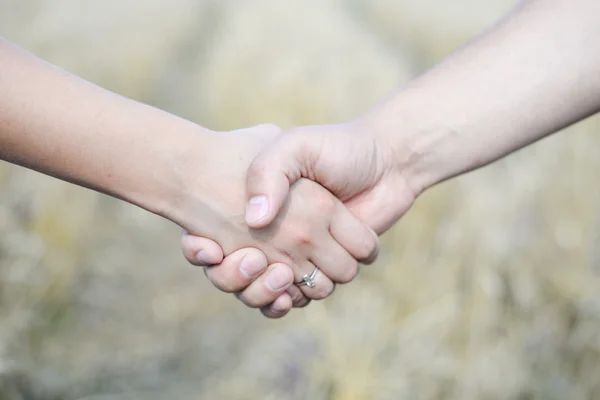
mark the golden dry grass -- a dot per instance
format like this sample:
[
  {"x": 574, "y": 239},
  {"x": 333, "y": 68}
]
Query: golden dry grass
[{"x": 487, "y": 289}]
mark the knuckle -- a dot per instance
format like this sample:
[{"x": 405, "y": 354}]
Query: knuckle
[
  {"x": 265, "y": 311},
  {"x": 302, "y": 303},
  {"x": 323, "y": 201},
  {"x": 257, "y": 169},
  {"x": 299, "y": 300},
  {"x": 221, "y": 282},
  {"x": 369, "y": 248},
  {"x": 254, "y": 303},
  {"x": 227, "y": 287},
  {"x": 291, "y": 137},
  {"x": 251, "y": 301},
  {"x": 270, "y": 128},
  {"x": 302, "y": 232},
  {"x": 349, "y": 272},
  {"x": 324, "y": 292},
  {"x": 193, "y": 261}
]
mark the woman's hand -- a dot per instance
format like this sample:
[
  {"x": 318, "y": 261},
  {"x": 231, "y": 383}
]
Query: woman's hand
[
  {"x": 63, "y": 126},
  {"x": 239, "y": 270}
]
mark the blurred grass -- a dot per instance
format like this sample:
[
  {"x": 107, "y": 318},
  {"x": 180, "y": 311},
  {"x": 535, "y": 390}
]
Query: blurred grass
[{"x": 487, "y": 289}]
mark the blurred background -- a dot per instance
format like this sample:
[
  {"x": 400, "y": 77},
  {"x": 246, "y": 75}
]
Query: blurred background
[{"x": 487, "y": 289}]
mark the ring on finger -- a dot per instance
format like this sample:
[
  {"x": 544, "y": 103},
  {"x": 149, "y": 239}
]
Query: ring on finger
[{"x": 309, "y": 279}]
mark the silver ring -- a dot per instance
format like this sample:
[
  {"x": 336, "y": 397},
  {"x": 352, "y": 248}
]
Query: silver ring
[{"x": 309, "y": 280}]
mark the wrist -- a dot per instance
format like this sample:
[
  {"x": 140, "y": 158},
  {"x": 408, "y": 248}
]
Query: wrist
[
  {"x": 175, "y": 167},
  {"x": 205, "y": 192},
  {"x": 420, "y": 148}
]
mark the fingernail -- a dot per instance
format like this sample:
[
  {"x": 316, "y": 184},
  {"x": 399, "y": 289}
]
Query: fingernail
[
  {"x": 204, "y": 258},
  {"x": 251, "y": 265},
  {"x": 278, "y": 279},
  {"x": 257, "y": 208}
]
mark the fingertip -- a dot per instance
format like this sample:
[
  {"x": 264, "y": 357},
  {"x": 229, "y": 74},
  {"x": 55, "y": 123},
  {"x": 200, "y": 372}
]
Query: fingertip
[
  {"x": 268, "y": 183},
  {"x": 267, "y": 312},
  {"x": 282, "y": 304},
  {"x": 278, "y": 278},
  {"x": 299, "y": 299},
  {"x": 238, "y": 270},
  {"x": 201, "y": 251},
  {"x": 356, "y": 237},
  {"x": 206, "y": 258},
  {"x": 253, "y": 263},
  {"x": 375, "y": 247},
  {"x": 279, "y": 308},
  {"x": 257, "y": 211}
]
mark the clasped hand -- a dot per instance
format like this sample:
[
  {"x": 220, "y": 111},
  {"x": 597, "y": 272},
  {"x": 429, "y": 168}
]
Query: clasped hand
[{"x": 293, "y": 226}]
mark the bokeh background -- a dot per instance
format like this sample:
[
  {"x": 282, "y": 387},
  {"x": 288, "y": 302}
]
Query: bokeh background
[{"x": 487, "y": 289}]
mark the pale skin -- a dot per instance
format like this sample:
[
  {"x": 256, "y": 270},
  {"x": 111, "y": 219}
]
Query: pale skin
[
  {"x": 534, "y": 73},
  {"x": 60, "y": 125}
]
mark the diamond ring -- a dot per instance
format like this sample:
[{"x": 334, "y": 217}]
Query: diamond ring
[{"x": 309, "y": 280}]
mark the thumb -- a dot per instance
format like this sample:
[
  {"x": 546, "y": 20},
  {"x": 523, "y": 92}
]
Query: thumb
[{"x": 270, "y": 175}]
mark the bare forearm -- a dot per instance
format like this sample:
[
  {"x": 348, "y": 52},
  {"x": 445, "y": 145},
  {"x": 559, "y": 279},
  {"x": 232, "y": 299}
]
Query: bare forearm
[
  {"x": 60, "y": 125},
  {"x": 537, "y": 72}
]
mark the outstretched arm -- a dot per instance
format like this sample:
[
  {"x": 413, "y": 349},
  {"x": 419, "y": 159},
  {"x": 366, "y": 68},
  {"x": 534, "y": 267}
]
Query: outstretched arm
[
  {"x": 63, "y": 126},
  {"x": 58, "y": 124},
  {"x": 66, "y": 127},
  {"x": 535, "y": 72}
]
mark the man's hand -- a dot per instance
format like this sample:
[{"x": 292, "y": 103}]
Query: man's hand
[
  {"x": 531, "y": 75},
  {"x": 349, "y": 160}
]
